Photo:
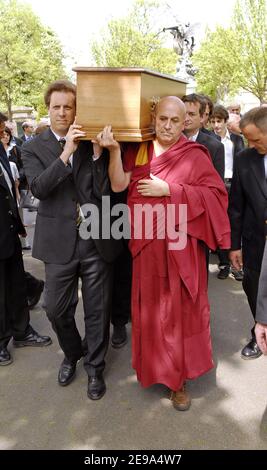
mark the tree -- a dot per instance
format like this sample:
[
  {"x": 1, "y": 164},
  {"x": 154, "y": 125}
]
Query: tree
[
  {"x": 135, "y": 41},
  {"x": 30, "y": 56},
  {"x": 217, "y": 65},
  {"x": 250, "y": 21},
  {"x": 235, "y": 58}
]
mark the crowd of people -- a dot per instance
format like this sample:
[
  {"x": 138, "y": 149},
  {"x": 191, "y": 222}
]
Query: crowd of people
[{"x": 158, "y": 274}]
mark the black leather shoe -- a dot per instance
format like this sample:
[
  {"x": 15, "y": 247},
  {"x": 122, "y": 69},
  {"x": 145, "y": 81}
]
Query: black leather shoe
[
  {"x": 224, "y": 272},
  {"x": 119, "y": 337},
  {"x": 5, "y": 357},
  {"x": 96, "y": 387},
  {"x": 32, "y": 339},
  {"x": 251, "y": 350},
  {"x": 66, "y": 372},
  {"x": 238, "y": 275},
  {"x": 32, "y": 301}
]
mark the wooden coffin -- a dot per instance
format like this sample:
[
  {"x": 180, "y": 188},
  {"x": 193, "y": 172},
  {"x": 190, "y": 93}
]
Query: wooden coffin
[{"x": 121, "y": 97}]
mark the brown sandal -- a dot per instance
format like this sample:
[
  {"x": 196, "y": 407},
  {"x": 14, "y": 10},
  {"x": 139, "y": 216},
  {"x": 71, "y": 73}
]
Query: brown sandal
[{"x": 181, "y": 399}]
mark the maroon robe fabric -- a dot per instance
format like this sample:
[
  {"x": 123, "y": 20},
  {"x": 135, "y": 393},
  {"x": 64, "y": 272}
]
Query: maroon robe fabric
[{"x": 170, "y": 309}]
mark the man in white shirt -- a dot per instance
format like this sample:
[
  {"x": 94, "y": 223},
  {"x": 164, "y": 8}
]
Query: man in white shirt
[{"x": 233, "y": 144}]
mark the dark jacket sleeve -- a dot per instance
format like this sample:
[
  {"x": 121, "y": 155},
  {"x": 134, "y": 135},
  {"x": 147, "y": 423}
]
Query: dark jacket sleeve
[
  {"x": 236, "y": 209},
  {"x": 43, "y": 181},
  {"x": 218, "y": 160}
]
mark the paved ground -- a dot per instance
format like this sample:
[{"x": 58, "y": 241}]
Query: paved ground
[{"x": 228, "y": 407}]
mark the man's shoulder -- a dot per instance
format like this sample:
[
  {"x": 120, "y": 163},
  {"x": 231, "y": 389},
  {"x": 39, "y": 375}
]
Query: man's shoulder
[
  {"x": 236, "y": 138},
  {"x": 245, "y": 156},
  {"x": 209, "y": 140},
  {"x": 248, "y": 152},
  {"x": 38, "y": 140}
]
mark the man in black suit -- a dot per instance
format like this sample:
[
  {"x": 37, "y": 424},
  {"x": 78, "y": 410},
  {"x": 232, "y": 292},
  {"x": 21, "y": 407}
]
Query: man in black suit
[
  {"x": 248, "y": 211},
  {"x": 195, "y": 108},
  {"x": 233, "y": 144},
  {"x": 66, "y": 175},
  {"x": 14, "y": 311}
]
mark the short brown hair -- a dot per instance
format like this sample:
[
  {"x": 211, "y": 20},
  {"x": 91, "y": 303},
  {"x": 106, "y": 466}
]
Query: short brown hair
[
  {"x": 195, "y": 98},
  {"x": 220, "y": 112},
  {"x": 59, "y": 85},
  {"x": 209, "y": 102},
  {"x": 256, "y": 116}
]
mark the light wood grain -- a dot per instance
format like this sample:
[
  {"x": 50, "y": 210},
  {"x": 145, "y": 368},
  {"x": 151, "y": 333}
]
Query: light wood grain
[{"x": 121, "y": 98}]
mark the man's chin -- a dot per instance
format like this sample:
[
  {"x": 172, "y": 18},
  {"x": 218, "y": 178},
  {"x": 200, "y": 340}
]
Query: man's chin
[{"x": 60, "y": 128}]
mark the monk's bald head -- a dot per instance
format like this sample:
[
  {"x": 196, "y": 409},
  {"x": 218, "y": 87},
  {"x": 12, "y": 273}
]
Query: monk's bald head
[
  {"x": 169, "y": 120},
  {"x": 171, "y": 101}
]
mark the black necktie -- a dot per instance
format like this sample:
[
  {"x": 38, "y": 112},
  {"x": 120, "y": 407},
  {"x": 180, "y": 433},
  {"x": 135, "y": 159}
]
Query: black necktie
[{"x": 62, "y": 142}]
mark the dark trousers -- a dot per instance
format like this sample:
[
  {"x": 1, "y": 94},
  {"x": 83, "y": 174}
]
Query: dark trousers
[
  {"x": 223, "y": 256},
  {"x": 61, "y": 298},
  {"x": 121, "y": 291},
  {"x": 14, "y": 312},
  {"x": 250, "y": 286},
  {"x": 31, "y": 284}
]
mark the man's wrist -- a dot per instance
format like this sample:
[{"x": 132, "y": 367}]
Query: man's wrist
[{"x": 64, "y": 160}]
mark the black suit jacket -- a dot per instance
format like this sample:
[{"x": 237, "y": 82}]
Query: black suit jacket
[
  {"x": 216, "y": 150},
  {"x": 210, "y": 133},
  {"x": 18, "y": 141},
  {"x": 59, "y": 188},
  {"x": 11, "y": 224},
  {"x": 248, "y": 207},
  {"x": 238, "y": 143}
]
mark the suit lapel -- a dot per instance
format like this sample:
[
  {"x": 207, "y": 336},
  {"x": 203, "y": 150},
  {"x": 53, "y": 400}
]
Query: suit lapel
[
  {"x": 257, "y": 165},
  {"x": 51, "y": 144}
]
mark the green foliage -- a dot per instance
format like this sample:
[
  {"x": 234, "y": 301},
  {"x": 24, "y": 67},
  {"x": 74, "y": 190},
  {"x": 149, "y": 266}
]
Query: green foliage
[
  {"x": 135, "y": 41},
  {"x": 30, "y": 57},
  {"x": 216, "y": 64},
  {"x": 250, "y": 22},
  {"x": 235, "y": 58}
]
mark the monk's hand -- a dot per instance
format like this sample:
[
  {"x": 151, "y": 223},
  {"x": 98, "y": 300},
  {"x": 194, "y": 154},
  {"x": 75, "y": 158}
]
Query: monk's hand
[
  {"x": 155, "y": 187},
  {"x": 261, "y": 337},
  {"x": 236, "y": 260},
  {"x": 106, "y": 139}
]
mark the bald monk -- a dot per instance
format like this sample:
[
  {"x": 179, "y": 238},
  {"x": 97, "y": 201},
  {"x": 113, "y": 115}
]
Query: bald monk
[{"x": 170, "y": 309}]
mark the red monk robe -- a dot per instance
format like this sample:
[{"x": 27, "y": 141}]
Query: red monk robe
[{"x": 170, "y": 309}]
